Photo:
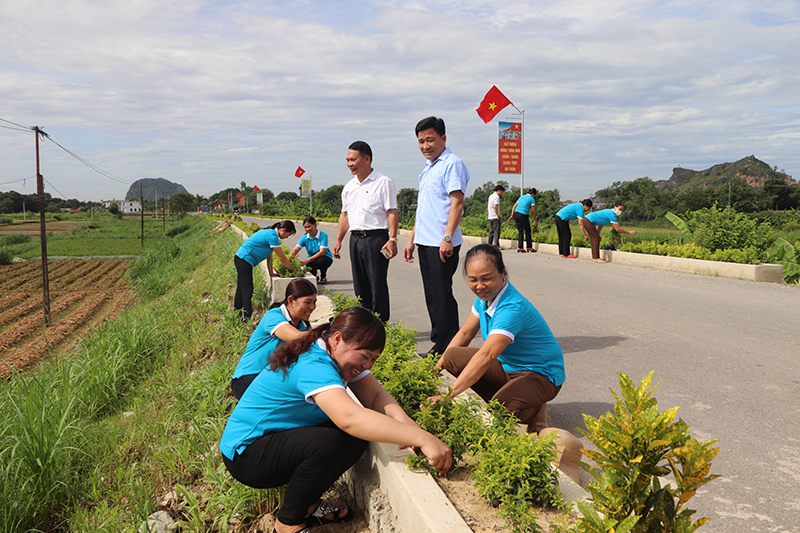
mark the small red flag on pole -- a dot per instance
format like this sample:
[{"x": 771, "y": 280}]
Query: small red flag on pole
[
  {"x": 492, "y": 104},
  {"x": 256, "y": 188},
  {"x": 299, "y": 172}
]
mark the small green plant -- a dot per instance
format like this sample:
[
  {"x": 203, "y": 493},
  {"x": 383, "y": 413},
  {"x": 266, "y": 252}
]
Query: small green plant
[
  {"x": 783, "y": 253},
  {"x": 14, "y": 238},
  {"x": 299, "y": 270},
  {"x": 635, "y": 445},
  {"x": 6, "y": 220},
  {"x": 342, "y": 301},
  {"x": 456, "y": 423},
  {"x": 6, "y": 257}
]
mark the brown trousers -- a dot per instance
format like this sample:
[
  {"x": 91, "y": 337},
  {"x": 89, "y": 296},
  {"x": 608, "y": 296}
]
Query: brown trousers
[
  {"x": 594, "y": 237},
  {"x": 522, "y": 393}
]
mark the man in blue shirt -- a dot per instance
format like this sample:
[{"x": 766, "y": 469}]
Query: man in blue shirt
[{"x": 437, "y": 231}]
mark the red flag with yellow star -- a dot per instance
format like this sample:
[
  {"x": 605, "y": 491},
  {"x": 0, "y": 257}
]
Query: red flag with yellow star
[{"x": 492, "y": 104}]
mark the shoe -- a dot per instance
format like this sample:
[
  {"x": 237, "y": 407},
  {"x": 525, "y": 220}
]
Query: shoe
[
  {"x": 435, "y": 350},
  {"x": 570, "y": 256},
  {"x": 325, "y": 508},
  {"x": 323, "y": 281},
  {"x": 565, "y": 256},
  {"x": 520, "y": 250},
  {"x": 531, "y": 251}
]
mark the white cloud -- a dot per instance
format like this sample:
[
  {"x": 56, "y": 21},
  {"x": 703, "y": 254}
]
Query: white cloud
[{"x": 205, "y": 93}]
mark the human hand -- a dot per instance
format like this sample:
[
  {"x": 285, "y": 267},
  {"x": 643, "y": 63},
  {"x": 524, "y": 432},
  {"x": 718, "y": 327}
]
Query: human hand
[
  {"x": 633, "y": 232},
  {"x": 445, "y": 250},
  {"x": 408, "y": 252},
  {"x": 336, "y": 247},
  {"x": 392, "y": 247},
  {"x": 438, "y": 453}
]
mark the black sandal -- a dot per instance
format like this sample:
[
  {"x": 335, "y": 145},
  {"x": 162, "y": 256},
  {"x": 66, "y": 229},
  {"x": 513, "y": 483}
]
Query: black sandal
[{"x": 325, "y": 508}]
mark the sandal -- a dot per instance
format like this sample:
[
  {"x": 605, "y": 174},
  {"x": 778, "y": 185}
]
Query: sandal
[
  {"x": 304, "y": 530},
  {"x": 325, "y": 508}
]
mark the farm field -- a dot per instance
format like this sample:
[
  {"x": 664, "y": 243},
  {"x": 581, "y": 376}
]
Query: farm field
[{"x": 82, "y": 293}]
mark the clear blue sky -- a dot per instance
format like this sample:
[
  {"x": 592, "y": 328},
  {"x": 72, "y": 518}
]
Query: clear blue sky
[{"x": 209, "y": 94}]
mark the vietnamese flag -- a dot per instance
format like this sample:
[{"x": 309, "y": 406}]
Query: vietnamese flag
[
  {"x": 492, "y": 104},
  {"x": 256, "y": 188},
  {"x": 239, "y": 195},
  {"x": 299, "y": 172}
]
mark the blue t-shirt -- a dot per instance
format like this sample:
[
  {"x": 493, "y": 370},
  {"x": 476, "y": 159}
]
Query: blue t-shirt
[
  {"x": 571, "y": 212},
  {"x": 259, "y": 246},
  {"x": 524, "y": 204},
  {"x": 604, "y": 217},
  {"x": 533, "y": 346},
  {"x": 441, "y": 177},
  {"x": 276, "y": 401},
  {"x": 314, "y": 244},
  {"x": 263, "y": 341}
]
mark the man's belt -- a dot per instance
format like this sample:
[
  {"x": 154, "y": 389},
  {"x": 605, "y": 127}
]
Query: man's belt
[{"x": 362, "y": 234}]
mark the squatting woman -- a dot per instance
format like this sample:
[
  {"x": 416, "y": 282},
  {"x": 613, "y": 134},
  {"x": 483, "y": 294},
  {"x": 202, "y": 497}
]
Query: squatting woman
[
  {"x": 297, "y": 425},
  {"x": 520, "y": 363},
  {"x": 282, "y": 323},
  {"x": 319, "y": 257}
]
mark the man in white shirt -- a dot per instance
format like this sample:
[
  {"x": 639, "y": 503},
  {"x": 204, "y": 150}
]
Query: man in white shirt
[
  {"x": 494, "y": 216},
  {"x": 369, "y": 212}
]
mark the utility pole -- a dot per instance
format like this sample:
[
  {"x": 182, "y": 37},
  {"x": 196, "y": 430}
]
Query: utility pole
[
  {"x": 42, "y": 231},
  {"x": 141, "y": 209}
]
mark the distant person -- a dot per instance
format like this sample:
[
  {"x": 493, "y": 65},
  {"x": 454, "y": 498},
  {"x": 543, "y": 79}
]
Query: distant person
[
  {"x": 369, "y": 211},
  {"x": 437, "y": 230},
  {"x": 282, "y": 323},
  {"x": 297, "y": 426},
  {"x": 520, "y": 213},
  {"x": 520, "y": 363},
  {"x": 318, "y": 257},
  {"x": 494, "y": 215},
  {"x": 565, "y": 214},
  {"x": 593, "y": 224},
  {"x": 255, "y": 249}
]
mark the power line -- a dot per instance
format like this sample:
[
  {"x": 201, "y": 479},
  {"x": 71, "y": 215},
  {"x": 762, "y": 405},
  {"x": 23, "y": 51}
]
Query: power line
[
  {"x": 14, "y": 129},
  {"x": 88, "y": 164},
  {"x": 17, "y": 181},
  {"x": 52, "y": 187},
  {"x": 25, "y": 128}
]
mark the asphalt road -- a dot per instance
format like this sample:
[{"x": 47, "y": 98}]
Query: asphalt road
[{"x": 726, "y": 351}]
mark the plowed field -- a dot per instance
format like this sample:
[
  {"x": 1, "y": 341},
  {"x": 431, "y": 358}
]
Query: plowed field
[{"x": 82, "y": 294}]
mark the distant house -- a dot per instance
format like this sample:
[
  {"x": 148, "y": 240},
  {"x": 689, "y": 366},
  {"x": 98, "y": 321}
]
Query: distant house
[{"x": 124, "y": 206}]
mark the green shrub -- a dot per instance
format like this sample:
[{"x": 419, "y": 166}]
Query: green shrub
[
  {"x": 722, "y": 229},
  {"x": 6, "y": 257},
  {"x": 14, "y": 238},
  {"x": 6, "y": 220},
  {"x": 635, "y": 445},
  {"x": 176, "y": 230},
  {"x": 299, "y": 270}
]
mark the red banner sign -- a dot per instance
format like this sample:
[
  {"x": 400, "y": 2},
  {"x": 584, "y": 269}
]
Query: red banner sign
[{"x": 510, "y": 148}]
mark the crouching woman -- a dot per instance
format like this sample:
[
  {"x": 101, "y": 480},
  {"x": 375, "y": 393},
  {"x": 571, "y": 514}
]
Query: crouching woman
[
  {"x": 520, "y": 363},
  {"x": 297, "y": 425}
]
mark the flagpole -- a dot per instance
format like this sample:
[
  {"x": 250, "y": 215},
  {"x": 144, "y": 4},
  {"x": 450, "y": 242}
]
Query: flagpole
[
  {"x": 310, "y": 195},
  {"x": 521, "y": 151}
]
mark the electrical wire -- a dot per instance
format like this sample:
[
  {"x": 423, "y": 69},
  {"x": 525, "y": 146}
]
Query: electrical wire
[
  {"x": 14, "y": 129},
  {"x": 15, "y": 124},
  {"x": 17, "y": 181},
  {"x": 88, "y": 164},
  {"x": 52, "y": 187}
]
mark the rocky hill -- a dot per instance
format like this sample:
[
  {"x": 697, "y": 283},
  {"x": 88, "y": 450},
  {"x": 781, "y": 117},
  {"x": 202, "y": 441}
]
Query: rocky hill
[
  {"x": 754, "y": 171},
  {"x": 151, "y": 186}
]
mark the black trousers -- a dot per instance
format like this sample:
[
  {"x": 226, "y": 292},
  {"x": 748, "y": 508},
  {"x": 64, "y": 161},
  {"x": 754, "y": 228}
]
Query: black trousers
[
  {"x": 564, "y": 236},
  {"x": 437, "y": 280},
  {"x": 243, "y": 300},
  {"x": 239, "y": 385},
  {"x": 322, "y": 264},
  {"x": 370, "y": 269},
  {"x": 494, "y": 232},
  {"x": 523, "y": 225},
  {"x": 309, "y": 459}
]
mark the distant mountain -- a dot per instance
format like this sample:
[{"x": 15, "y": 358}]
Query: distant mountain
[
  {"x": 754, "y": 171},
  {"x": 152, "y": 186}
]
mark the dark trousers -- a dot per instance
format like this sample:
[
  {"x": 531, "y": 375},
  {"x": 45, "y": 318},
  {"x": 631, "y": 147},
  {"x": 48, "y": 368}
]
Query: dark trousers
[
  {"x": 594, "y": 237},
  {"x": 309, "y": 459},
  {"x": 243, "y": 300},
  {"x": 370, "y": 269},
  {"x": 322, "y": 264},
  {"x": 564, "y": 236},
  {"x": 523, "y": 225},
  {"x": 494, "y": 232},
  {"x": 522, "y": 393},
  {"x": 437, "y": 280},
  {"x": 239, "y": 385}
]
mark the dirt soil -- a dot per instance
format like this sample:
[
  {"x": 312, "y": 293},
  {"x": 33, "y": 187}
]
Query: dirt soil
[{"x": 82, "y": 294}]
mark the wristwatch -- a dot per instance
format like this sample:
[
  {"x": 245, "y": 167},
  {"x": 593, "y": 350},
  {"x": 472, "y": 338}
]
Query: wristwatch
[
  {"x": 447, "y": 238},
  {"x": 393, "y": 239}
]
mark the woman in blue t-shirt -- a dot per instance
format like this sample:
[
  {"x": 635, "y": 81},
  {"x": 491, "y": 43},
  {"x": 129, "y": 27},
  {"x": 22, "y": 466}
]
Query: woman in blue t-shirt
[
  {"x": 565, "y": 214},
  {"x": 593, "y": 225},
  {"x": 252, "y": 251},
  {"x": 297, "y": 425},
  {"x": 282, "y": 323},
  {"x": 526, "y": 204},
  {"x": 520, "y": 363},
  {"x": 318, "y": 255}
]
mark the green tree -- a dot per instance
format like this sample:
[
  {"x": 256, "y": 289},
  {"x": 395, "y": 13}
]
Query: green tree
[
  {"x": 330, "y": 200},
  {"x": 181, "y": 202}
]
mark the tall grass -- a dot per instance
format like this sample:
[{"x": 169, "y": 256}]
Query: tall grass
[{"x": 91, "y": 439}]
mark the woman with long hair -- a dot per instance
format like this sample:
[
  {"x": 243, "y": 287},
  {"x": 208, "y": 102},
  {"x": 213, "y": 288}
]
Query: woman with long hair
[
  {"x": 520, "y": 213},
  {"x": 520, "y": 363},
  {"x": 318, "y": 256},
  {"x": 258, "y": 247},
  {"x": 297, "y": 426},
  {"x": 282, "y": 323}
]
